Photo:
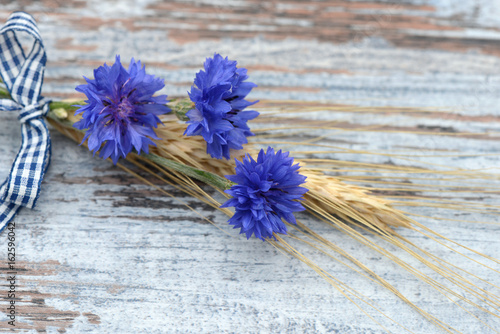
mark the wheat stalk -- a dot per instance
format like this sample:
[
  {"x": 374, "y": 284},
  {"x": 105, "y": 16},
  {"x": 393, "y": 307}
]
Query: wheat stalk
[
  {"x": 325, "y": 191},
  {"x": 337, "y": 203}
]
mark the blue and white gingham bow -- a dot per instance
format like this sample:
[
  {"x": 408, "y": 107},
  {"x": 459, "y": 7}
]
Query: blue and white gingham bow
[{"x": 23, "y": 75}]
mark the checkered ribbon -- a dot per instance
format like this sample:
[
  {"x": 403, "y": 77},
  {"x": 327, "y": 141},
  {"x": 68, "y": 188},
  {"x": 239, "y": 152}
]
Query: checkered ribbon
[{"x": 23, "y": 75}]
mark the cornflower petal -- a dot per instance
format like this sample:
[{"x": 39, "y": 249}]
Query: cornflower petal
[
  {"x": 121, "y": 110},
  {"x": 219, "y": 93},
  {"x": 261, "y": 201}
]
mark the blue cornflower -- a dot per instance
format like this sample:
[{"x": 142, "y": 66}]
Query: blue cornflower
[
  {"x": 121, "y": 111},
  {"x": 219, "y": 96},
  {"x": 266, "y": 191}
]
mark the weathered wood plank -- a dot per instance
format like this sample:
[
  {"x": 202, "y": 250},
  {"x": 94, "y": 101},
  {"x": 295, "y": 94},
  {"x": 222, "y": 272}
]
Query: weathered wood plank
[
  {"x": 404, "y": 54},
  {"x": 103, "y": 252}
]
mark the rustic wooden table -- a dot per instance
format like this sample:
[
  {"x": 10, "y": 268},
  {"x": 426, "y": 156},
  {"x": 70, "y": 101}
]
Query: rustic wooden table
[{"x": 104, "y": 253}]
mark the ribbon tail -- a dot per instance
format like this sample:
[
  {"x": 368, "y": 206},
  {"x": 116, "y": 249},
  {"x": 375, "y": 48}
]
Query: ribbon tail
[
  {"x": 7, "y": 211},
  {"x": 24, "y": 182},
  {"x": 22, "y": 187}
]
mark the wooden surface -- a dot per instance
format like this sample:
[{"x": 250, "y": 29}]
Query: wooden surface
[{"x": 104, "y": 253}]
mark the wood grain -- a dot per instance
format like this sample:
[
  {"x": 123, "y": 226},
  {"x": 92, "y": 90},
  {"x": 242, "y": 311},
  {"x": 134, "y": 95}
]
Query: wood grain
[{"x": 102, "y": 252}]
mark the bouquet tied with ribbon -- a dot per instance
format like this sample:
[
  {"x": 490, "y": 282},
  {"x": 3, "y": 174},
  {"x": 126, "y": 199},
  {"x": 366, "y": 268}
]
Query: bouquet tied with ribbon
[{"x": 206, "y": 140}]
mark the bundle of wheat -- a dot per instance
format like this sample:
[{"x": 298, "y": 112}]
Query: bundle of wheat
[{"x": 182, "y": 161}]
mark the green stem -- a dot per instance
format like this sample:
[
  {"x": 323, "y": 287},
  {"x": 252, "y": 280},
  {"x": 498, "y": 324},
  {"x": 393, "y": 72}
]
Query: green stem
[
  {"x": 4, "y": 93},
  {"x": 68, "y": 106},
  {"x": 180, "y": 107},
  {"x": 201, "y": 175}
]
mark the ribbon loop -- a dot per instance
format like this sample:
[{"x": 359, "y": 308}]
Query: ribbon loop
[{"x": 23, "y": 76}]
